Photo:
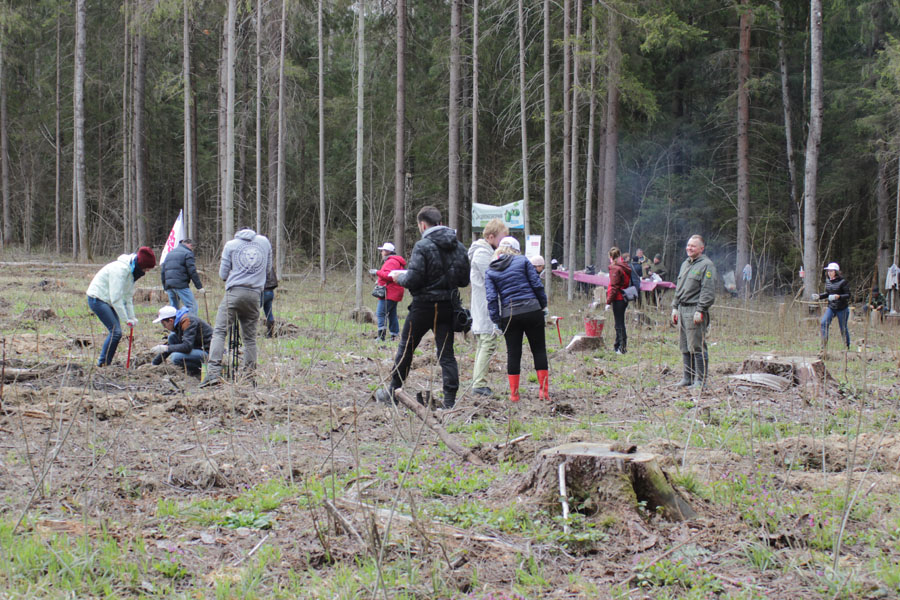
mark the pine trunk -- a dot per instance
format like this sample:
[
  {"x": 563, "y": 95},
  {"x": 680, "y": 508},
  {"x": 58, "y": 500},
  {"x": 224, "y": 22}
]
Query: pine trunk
[
  {"x": 137, "y": 136},
  {"x": 572, "y": 245},
  {"x": 81, "y": 247},
  {"x": 190, "y": 226},
  {"x": 743, "y": 150},
  {"x": 57, "y": 146},
  {"x": 400, "y": 141},
  {"x": 589, "y": 166},
  {"x": 6, "y": 237},
  {"x": 322, "y": 214},
  {"x": 360, "y": 122},
  {"x": 548, "y": 156},
  {"x": 567, "y": 126},
  {"x": 523, "y": 118},
  {"x": 127, "y": 217},
  {"x": 810, "y": 229},
  {"x": 794, "y": 207},
  {"x": 280, "y": 250},
  {"x": 259, "y": 86},
  {"x": 453, "y": 113},
  {"x": 475, "y": 100},
  {"x": 882, "y": 206},
  {"x": 612, "y": 133},
  {"x": 228, "y": 183}
]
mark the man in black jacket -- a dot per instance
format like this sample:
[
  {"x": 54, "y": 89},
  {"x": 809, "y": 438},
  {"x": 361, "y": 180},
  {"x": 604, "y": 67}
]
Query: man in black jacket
[
  {"x": 189, "y": 340},
  {"x": 177, "y": 271},
  {"x": 437, "y": 266}
]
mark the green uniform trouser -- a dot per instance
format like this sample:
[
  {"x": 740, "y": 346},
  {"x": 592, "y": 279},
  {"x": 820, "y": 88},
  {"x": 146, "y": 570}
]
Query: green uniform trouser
[
  {"x": 692, "y": 338},
  {"x": 487, "y": 345}
]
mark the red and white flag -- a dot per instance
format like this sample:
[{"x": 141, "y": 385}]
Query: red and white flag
[{"x": 175, "y": 236}]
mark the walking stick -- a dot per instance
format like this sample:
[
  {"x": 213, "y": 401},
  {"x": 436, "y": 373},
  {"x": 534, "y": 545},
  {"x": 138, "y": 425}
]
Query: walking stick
[
  {"x": 206, "y": 306},
  {"x": 130, "y": 340}
]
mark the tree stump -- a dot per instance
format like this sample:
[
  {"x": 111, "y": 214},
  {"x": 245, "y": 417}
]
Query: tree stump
[
  {"x": 581, "y": 343},
  {"x": 362, "y": 315},
  {"x": 596, "y": 476},
  {"x": 799, "y": 370}
]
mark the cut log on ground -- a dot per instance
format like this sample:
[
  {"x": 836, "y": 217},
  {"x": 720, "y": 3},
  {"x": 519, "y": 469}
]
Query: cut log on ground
[
  {"x": 11, "y": 375},
  {"x": 799, "y": 370},
  {"x": 581, "y": 343},
  {"x": 774, "y": 382},
  {"x": 427, "y": 416},
  {"x": 597, "y": 476}
]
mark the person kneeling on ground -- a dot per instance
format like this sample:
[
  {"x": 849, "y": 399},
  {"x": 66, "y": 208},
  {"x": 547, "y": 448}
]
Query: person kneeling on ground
[{"x": 189, "y": 340}]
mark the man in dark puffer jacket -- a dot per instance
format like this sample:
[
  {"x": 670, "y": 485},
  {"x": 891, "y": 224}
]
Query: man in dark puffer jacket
[
  {"x": 177, "y": 271},
  {"x": 189, "y": 340},
  {"x": 437, "y": 266}
]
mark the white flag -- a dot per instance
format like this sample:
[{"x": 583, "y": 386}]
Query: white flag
[{"x": 175, "y": 236}]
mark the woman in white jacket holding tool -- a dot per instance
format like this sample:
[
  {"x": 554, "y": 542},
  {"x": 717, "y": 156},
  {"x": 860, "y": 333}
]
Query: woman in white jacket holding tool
[{"x": 110, "y": 296}]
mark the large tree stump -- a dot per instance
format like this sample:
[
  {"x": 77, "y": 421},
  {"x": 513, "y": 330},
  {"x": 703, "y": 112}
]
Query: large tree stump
[
  {"x": 598, "y": 476},
  {"x": 798, "y": 369}
]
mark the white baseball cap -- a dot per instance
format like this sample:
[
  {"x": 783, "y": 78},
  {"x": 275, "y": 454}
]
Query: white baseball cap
[
  {"x": 511, "y": 242},
  {"x": 387, "y": 246},
  {"x": 166, "y": 312},
  {"x": 833, "y": 267}
]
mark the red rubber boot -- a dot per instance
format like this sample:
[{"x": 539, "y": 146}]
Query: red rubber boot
[
  {"x": 544, "y": 384},
  {"x": 513, "y": 388}
]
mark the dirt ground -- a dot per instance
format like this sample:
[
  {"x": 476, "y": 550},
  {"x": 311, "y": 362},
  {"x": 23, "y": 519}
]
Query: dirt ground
[{"x": 105, "y": 453}]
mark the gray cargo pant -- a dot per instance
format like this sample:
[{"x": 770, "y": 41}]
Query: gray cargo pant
[
  {"x": 692, "y": 338},
  {"x": 243, "y": 304}
]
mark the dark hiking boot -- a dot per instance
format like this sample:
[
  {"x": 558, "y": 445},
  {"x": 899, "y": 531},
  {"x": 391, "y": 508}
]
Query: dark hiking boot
[
  {"x": 687, "y": 377},
  {"x": 483, "y": 391},
  {"x": 211, "y": 380},
  {"x": 385, "y": 396},
  {"x": 270, "y": 329}
]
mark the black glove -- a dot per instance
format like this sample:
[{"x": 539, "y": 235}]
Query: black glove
[{"x": 157, "y": 360}]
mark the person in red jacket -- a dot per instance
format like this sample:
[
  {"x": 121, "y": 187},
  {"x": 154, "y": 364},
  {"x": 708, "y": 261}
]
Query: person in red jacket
[
  {"x": 386, "y": 312},
  {"x": 619, "y": 279}
]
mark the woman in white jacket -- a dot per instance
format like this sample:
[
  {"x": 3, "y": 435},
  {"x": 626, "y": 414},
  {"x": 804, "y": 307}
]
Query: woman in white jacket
[{"x": 110, "y": 296}]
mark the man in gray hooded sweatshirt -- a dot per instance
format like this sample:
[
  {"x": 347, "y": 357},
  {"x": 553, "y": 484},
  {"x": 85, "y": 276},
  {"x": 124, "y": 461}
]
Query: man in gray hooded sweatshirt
[{"x": 245, "y": 261}]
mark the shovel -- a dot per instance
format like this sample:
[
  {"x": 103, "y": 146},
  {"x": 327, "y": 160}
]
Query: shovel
[{"x": 130, "y": 340}]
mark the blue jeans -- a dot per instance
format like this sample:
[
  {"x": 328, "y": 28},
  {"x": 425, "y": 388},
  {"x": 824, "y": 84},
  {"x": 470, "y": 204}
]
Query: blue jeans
[
  {"x": 110, "y": 320},
  {"x": 183, "y": 296},
  {"x": 842, "y": 316},
  {"x": 265, "y": 302},
  {"x": 192, "y": 362},
  {"x": 386, "y": 313}
]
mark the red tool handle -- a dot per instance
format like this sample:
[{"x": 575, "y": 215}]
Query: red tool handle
[
  {"x": 130, "y": 339},
  {"x": 558, "y": 333}
]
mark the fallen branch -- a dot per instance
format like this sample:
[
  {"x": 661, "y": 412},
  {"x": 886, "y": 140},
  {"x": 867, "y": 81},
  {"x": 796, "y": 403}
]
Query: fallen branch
[
  {"x": 345, "y": 523},
  {"x": 434, "y": 528},
  {"x": 427, "y": 417},
  {"x": 513, "y": 441}
]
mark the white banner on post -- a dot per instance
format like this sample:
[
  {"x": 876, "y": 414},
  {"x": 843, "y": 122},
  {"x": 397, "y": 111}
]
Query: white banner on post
[
  {"x": 175, "y": 236},
  {"x": 511, "y": 214},
  {"x": 533, "y": 246}
]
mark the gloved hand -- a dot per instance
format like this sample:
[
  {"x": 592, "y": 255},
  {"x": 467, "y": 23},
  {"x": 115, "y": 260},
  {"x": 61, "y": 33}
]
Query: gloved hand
[
  {"x": 608, "y": 306},
  {"x": 497, "y": 332},
  {"x": 157, "y": 360},
  {"x": 159, "y": 349},
  {"x": 833, "y": 297},
  {"x": 698, "y": 317},
  {"x": 201, "y": 291},
  {"x": 131, "y": 322},
  {"x": 814, "y": 296},
  {"x": 675, "y": 316},
  {"x": 546, "y": 313}
]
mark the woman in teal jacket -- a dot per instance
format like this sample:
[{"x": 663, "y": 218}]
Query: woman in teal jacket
[{"x": 110, "y": 296}]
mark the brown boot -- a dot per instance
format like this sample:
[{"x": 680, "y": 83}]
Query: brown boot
[{"x": 270, "y": 329}]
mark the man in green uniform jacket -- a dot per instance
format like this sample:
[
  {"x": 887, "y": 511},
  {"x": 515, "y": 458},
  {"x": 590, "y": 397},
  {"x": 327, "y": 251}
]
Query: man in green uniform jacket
[{"x": 694, "y": 295}]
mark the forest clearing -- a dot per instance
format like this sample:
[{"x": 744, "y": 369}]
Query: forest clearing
[{"x": 127, "y": 483}]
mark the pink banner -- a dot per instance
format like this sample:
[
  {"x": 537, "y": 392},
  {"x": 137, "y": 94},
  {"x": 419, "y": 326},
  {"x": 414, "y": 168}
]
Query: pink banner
[{"x": 603, "y": 280}]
